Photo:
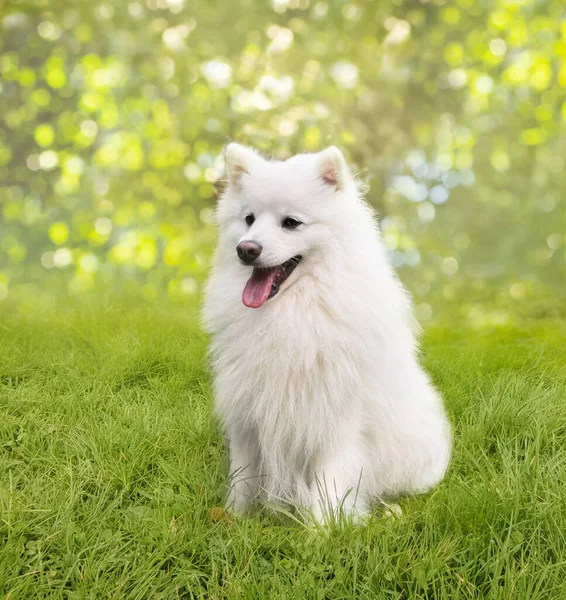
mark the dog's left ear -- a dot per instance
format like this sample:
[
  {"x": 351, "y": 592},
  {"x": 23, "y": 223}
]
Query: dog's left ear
[{"x": 332, "y": 167}]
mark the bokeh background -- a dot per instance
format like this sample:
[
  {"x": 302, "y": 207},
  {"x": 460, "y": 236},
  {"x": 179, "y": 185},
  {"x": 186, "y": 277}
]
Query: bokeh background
[{"x": 114, "y": 114}]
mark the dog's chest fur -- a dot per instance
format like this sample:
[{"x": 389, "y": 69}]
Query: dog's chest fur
[{"x": 288, "y": 376}]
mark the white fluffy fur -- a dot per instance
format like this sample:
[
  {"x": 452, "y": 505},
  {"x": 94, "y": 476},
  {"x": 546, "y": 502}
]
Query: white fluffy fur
[{"x": 319, "y": 390}]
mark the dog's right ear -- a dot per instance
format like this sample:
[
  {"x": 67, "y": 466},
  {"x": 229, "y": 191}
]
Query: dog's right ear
[
  {"x": 240, "y": 161},
  {"x": 332, "y": 168}
]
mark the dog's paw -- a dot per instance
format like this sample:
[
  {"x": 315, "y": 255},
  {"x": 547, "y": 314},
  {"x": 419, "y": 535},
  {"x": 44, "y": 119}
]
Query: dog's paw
[
  {"x": 324, "y": 516},
  {"x": 392, "y": 511}
]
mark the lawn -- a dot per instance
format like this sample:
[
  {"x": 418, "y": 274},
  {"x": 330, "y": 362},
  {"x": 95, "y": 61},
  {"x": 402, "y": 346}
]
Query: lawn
[{"x": 112, "y": 471}]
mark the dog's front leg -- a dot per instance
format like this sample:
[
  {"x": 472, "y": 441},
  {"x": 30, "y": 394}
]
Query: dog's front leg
[
  {"x": 243, "y": 474},
  {"x": 337, "y": 489}
]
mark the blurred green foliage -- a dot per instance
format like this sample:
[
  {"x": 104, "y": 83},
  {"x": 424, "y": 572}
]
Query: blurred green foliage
[{"x": 114, "y": 115}]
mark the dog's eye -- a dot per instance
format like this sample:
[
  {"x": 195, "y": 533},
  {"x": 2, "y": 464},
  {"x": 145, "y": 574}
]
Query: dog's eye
[
  {"x": 290, "y": 223},
  {"x": 250, "y": 220}
]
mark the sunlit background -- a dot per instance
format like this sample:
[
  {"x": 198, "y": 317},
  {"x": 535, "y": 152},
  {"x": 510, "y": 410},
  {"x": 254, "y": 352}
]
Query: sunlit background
[{"x": 114, "y": 114}]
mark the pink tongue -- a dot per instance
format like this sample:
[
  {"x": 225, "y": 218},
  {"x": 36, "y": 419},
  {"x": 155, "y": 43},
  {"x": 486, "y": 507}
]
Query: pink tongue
[{"x": 258, "y": 288}]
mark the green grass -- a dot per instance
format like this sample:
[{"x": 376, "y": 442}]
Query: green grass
[{"x": 111, "y": 468}]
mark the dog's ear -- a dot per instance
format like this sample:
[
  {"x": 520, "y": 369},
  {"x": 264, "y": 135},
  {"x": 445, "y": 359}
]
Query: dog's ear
[
  {"x": 332, "y": 167},
  {"x": 239, "y": 161}
]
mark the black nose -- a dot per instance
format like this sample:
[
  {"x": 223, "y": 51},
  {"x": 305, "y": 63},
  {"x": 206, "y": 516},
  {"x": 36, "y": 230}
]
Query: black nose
[{"x": 248, "y": 251}]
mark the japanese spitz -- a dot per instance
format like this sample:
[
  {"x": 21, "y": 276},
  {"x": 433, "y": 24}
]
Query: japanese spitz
[{"x": 317, "y": 381}]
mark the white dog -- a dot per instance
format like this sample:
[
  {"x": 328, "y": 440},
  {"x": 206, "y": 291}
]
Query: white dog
[{"x": 316, "y": 375}]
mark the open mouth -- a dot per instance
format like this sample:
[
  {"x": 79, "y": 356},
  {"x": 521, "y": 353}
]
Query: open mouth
[{"x": 265, "y": 283}]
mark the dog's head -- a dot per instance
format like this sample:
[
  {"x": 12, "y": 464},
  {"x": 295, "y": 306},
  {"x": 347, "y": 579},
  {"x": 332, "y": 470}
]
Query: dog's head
[{"x": 275, "y": 216}]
